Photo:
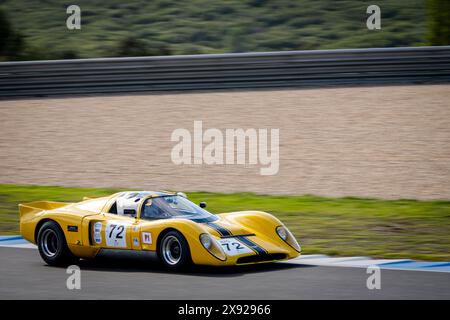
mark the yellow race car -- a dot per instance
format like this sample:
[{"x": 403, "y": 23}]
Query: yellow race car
[{"x": 165, "y": 224}]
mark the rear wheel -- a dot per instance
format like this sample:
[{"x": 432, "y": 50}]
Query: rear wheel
[
  {"x": 174, "y": 251},
  {"x": 52, "y": 245}
]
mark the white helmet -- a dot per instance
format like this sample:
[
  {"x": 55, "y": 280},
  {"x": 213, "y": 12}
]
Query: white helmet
[{"x": 127, "y": 203}]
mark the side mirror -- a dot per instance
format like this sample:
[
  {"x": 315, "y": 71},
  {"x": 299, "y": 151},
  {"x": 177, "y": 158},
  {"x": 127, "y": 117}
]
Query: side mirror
[{"x": 202, "y": 204}]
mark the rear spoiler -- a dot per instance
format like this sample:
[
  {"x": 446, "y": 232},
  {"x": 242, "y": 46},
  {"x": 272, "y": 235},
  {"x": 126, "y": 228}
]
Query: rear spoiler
[{"x": 37, "y": 206}]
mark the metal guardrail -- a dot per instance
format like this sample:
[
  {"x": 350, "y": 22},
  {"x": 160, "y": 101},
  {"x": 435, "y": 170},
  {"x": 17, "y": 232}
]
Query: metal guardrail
[{"x": 226, "y": 71}]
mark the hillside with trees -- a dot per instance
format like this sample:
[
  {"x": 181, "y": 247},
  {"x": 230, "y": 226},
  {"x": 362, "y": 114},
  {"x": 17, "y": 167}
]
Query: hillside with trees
[{"x": 37, "y": 29}]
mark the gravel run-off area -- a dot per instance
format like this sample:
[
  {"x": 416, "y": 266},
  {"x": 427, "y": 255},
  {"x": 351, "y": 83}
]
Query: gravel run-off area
[{"x": 380, "y": 142}]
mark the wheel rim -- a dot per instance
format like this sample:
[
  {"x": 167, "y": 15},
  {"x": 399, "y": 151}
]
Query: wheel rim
[
  {"x": 171, "y": 250},
  {"x": 49, "y": 242}
]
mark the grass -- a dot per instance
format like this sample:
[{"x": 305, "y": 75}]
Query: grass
[
  {"x": 212, "y": 26},
  {"x": 334, "y": 226}
]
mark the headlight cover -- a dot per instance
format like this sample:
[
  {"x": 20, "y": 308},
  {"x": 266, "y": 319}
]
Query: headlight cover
[
  {"x": 206, "y": 241},
  {"x": 282, "y": 232},
  {"x": 288, "y": 237},
  {"x": 212, "y": 246}
]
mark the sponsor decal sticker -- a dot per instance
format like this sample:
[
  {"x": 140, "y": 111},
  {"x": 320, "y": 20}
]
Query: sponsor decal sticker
[
  {"x": 147, "y": 237},
  {"x": 98, "y": 232}
]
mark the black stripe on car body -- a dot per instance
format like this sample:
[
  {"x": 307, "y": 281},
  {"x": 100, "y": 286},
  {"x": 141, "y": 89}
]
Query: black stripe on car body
[
  {"x": 225, "y": 233},
  {"x": 255, "y": 247},
  {"x": 241, "y": 235},
  {"x": 221, "y": 230}
]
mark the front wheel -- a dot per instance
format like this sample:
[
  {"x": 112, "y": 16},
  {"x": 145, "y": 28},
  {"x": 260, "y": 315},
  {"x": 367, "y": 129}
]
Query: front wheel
[
  {"x": 52, "y": 245},
  {"x": 174, "y": 251}
]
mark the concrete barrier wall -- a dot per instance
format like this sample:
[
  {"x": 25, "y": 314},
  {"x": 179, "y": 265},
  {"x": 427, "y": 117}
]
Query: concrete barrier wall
[{"x": 226, "y": 71}]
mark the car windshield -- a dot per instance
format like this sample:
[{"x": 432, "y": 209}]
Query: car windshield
[{"x": 175, "y": 206}]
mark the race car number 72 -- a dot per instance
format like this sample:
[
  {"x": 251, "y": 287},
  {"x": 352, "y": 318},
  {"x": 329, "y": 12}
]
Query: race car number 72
[
  {"x": 115, "y": 235},
  {"x": 119, "y": 231},
  {"x": 234, "y": 247}
]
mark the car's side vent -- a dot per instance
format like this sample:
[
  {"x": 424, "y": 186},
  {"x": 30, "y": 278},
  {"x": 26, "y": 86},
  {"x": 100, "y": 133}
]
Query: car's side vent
[{"x": 130, "y": 212}]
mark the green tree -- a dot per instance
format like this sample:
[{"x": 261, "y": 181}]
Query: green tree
[
  {"x": 133, "y": 47},
  {"x": 5, "y": 32},
  {"x": 11, "y": 42},
  {"x": 439, "y": 22}
]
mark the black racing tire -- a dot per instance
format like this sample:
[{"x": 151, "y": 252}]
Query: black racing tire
[
  {"x": 173, "y": 251},
  {"x": 52, "y": 245}
]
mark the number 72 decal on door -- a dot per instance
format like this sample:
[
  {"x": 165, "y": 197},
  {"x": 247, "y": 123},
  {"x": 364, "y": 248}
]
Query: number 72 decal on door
[{"x": 116, "y": 234}]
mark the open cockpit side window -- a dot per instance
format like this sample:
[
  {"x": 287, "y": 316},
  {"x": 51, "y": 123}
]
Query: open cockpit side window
[{"x": 113, "y": 208}]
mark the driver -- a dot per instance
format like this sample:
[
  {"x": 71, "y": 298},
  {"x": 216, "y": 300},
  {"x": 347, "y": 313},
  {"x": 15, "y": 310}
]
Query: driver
[{"x": 152, "y": 211}]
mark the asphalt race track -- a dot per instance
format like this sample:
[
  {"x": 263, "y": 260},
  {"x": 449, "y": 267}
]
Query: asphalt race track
[{"x": 23, "y": 275}]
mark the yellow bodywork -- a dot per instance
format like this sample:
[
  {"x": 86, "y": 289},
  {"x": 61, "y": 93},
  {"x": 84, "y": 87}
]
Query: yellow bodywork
[{"x": 90, "y": 219}]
